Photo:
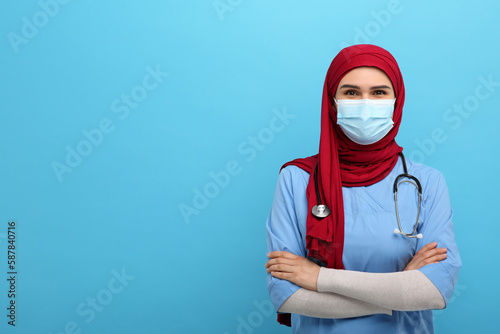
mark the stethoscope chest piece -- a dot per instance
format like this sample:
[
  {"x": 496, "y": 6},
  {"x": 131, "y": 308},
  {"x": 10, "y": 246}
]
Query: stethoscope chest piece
[{"x": 320, "y": 211}]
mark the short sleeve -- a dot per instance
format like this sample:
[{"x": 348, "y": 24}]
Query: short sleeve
[
  {"x": 282, "y": 227},
  {"x": 438, "y": 226}
]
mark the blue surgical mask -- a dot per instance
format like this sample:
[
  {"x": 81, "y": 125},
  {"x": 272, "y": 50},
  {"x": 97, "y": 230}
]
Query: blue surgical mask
[{"x": 365, "y": 121}]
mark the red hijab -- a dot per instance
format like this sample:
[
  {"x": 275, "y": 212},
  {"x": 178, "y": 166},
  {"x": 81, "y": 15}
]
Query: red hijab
[{"x": 342, "y": 162}]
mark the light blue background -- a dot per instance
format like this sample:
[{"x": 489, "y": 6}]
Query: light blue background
[{"x": 229, "y": 72}]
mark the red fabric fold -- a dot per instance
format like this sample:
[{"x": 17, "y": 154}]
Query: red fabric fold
[
  {"x": 285, "y": 319},
  {"x": 341, "y": 162}
]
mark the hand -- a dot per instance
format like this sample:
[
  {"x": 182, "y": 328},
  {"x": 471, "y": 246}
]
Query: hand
[
  {"x": 427, "y": 255},
  {"x": 293, "y": 268}
]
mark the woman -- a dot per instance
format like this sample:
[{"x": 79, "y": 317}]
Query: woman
[{"x": 391, "y": 281}]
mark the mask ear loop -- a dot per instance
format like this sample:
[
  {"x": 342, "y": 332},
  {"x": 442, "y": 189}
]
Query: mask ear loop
[
  {"x": 392, "y": 117},
  {"x": 335, "y": 108}
]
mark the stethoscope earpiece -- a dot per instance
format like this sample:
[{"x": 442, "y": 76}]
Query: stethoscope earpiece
[{"x": 418, "y": 236}]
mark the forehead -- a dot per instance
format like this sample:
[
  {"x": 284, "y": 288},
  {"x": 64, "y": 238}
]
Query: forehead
[{"x": 366, "y": 75}]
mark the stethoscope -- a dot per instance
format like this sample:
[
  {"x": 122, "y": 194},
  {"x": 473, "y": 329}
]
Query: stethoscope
[{"x": 321, "y": 211}]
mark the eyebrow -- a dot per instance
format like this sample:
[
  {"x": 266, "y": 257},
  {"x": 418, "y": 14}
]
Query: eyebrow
[
  {"x": 381, "y": 87},
  {"x": 357, "y": 87}
]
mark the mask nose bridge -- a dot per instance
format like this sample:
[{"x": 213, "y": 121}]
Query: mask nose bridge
[{"x": 364, "y": 112}]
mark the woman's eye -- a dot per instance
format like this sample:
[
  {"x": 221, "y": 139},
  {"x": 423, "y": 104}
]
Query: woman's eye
[
  {"x": 350, "y": 92},
  {"x": 379, "y": 92}
]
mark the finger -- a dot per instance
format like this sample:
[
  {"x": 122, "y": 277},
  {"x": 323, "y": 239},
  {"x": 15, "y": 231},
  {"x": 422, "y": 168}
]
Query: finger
[
  {"x": 423, "y": 261},
  {"x": 439, "y": 251},
  {"x": 296, "y": 260},
  {"x": 427, "y": 251},
  {"x": 427, "y": 255},
  {"x": 432, "y": 252},
  {"x": 281, "y": 268},
  {"x": 280, "y": 260},
  {"x": 429, "y": 246},
  {"x": 283, "y": 254},
  {"x": 435, "y": 259},
  {"x": 282, "y": 275}
]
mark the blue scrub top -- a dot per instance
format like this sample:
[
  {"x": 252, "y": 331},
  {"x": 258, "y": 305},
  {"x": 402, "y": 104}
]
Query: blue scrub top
[{"x": 370, "y": 244}]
